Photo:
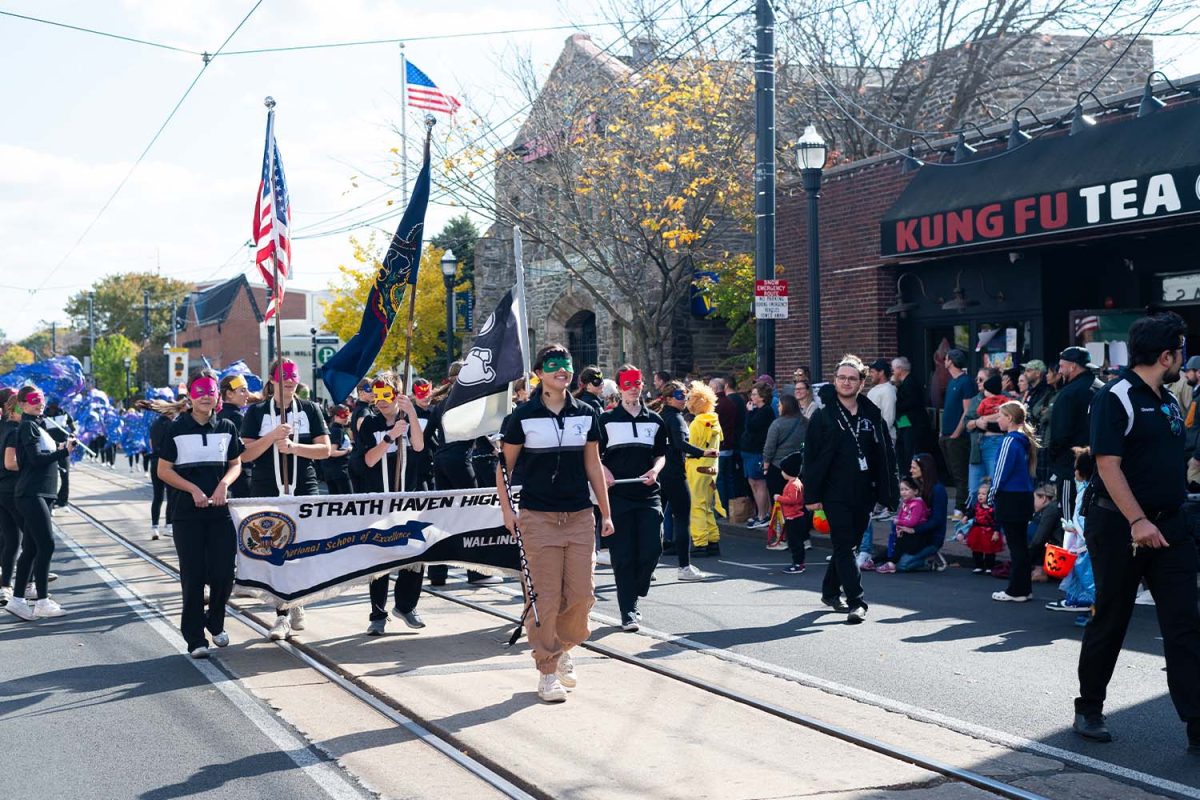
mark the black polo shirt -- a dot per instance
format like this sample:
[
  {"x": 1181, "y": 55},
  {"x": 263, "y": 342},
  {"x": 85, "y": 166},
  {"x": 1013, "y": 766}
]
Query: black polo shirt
[
  {"x": 8, "y": 438},
  {"x": 306, "y": 426},
  {"x": 201, "y": 454},
  {"x": 1146, "y": 430},
  {"x": 551, "y": 461},
  {"x": 629, "y": 445},
  {"x": 38, "y": 458},
  {"x": 370, "y": 434}
]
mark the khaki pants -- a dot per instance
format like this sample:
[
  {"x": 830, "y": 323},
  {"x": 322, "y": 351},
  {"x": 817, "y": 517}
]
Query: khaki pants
[{"x": 560, "y": 548}]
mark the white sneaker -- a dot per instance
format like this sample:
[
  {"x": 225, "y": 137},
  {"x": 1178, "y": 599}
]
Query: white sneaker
[
  {"x": 297, "y": 617},
  {"x": 566, "y": 671},
  {"x": 199, "y": 652},
  {"x": 282, "y": 629},
  {"x": 18, "y": 607},
  {"x": 603, "y": 558},
  {"x": 170, "y": 529},
  {"x": 47, "y": 608},
  {"x": 5, "y": 595},
  {"x": 550, "y": 689},
  {"x": 221, "y": 639},
  {"x": 690, "y": 573},
  {"x": 154, "y": 534}
]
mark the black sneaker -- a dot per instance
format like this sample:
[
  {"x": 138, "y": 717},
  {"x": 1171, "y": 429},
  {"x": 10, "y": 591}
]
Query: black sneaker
[
  {"x": 1092, "y": 726},
  {"x": 700, "y": 551},
  {"x": 794, "y": 569},
  {"x": 713, "y": 549},
  {"x": 837, "y": 604},
  {"x": 629, "y": 622}
]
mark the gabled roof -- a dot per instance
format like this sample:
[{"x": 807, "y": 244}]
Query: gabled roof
[{"x": 213, "y": 304}]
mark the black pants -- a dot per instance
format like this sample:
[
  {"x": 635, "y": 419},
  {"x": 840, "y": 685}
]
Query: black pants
[
  {"x": 408, "y": 592},
  {"x": 64, "y": 484},
  {"x": 985, "y": 561},
  {"x": 797, "y": 531},
  {"x": 207, "y": 547},
  {"x": 635, "y": 545},
  {"x": 1013, "y": 512},
  {"x": 1170, "y": 572},
  {"x": 37, "y": 545},
  {"x": 10, "y": 537},
  {"x": 339, "y": 485},
  {"x": 455, "y": 472},
  {"x": 905, "y": 449},
  {"x": 775, "y": 480},
  {"x": 677, "y": 498},
  {"x": 846, "y": 525},
  {"x": 161, "y": 490},
  {"x": 957, "y": 453}
]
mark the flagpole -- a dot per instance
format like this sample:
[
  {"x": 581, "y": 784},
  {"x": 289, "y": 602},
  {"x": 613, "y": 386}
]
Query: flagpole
[
  {"x": 412, "y": 315},
  {"x": 522, "y": 320},
  {"x": 277, "y": 298},
  {"x": 403, "y": 127}
]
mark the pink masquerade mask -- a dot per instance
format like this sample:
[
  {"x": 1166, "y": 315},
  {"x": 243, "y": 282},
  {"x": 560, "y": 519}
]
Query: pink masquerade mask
[
  {"x": 33, "y": 398},
  {"x": 289, "y": 370},
  {"x": 203, "y": 387}
]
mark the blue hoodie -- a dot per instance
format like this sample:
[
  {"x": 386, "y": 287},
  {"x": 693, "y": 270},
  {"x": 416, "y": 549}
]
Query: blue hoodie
[{"x": 1012, "y": 466}]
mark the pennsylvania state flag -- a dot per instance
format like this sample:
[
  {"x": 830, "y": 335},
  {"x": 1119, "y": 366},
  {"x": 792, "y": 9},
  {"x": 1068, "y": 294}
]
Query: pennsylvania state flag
[{"x": 351, "y": 364}]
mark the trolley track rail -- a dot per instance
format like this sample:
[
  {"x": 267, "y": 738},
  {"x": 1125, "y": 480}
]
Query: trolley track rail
[{"x": 507, "y": 784}]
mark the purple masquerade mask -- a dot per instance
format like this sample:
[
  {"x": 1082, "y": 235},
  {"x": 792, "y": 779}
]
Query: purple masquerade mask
[
  {"x": 288, "y": 371},
  {"x": 203, "y": 387}
]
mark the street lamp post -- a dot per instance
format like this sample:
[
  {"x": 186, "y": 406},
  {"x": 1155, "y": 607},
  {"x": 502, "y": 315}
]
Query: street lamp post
[
  {"x": 811, "y": 152},
  {"x": 449, "y": 270},
  {"x": 128, "y": 363}
]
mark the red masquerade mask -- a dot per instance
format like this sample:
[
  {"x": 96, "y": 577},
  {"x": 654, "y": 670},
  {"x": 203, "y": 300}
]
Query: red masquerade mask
[
  {"x": 203, "y": 387},
  {"x": 629, "y": 379},
  {"x": 34, "y": 398},
  {"x": 287, "y": 371},
  {"x": 422, "y": 390}
]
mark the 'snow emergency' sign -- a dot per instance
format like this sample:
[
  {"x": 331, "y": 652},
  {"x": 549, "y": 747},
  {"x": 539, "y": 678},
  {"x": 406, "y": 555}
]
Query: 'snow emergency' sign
[{"x": 771, "y": 298}]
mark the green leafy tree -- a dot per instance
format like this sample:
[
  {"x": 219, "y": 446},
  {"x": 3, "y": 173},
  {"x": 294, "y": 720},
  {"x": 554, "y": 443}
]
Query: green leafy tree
[
  {"x": 732, "y": 297},
  {"x": 12, "y": 356},
  {"x": 118, "y": 305},
  {"x": 460, "y": 235},
  {"x": 38, "y": 343},
  {"x": 108, "y": 364}
]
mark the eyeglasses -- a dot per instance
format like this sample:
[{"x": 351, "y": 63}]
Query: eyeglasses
[{"x": 848, "y": 378}]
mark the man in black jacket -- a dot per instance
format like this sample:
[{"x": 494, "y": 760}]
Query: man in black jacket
[
  {"x": 912, "y": 422},
  {"x": 849, "y": 466},
  {"x": 1069, "y": 414}
]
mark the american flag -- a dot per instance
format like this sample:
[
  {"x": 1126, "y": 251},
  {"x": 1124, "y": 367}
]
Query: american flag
[
  {"x": 272, "y": 211},
  {"x": 1085, "y": 324},
  {"x": 424, "y": 93}
]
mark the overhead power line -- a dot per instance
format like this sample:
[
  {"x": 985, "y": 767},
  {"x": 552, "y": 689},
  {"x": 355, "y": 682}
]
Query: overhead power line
[
  {"x": 106, "y": 34},
  {"x": 143, "y": 155}
]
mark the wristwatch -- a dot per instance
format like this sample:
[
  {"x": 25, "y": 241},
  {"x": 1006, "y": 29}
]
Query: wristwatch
[{"x": 387, "y": 438}]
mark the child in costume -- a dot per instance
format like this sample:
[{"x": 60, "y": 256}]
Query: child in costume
[{"x": 705, "y": 433}]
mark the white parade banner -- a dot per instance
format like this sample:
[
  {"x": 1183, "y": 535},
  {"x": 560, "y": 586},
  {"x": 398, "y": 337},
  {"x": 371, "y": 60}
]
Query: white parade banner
[{"x": 301, "y": 549}]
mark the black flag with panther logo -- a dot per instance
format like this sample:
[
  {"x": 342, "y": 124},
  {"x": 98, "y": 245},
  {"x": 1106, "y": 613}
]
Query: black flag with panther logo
[{"x": 482, "y": 393}]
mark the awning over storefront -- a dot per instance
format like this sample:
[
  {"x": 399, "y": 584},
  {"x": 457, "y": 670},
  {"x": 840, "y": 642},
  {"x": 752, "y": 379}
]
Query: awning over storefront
[{"x": 1112, "y": 174}]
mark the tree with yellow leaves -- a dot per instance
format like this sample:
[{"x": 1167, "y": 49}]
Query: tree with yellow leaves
[
  {"x": 344, "y": 312},
  {"x": 627, "y": 183}
]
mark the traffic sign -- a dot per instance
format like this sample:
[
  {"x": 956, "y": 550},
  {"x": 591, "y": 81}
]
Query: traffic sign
[
  {"x": 324, "y": 353},
  {"x": 771, "y": 298}
]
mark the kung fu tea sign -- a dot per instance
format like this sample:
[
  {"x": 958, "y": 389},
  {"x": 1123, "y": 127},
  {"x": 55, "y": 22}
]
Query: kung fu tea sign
[{"x": 1078, "y": 208}]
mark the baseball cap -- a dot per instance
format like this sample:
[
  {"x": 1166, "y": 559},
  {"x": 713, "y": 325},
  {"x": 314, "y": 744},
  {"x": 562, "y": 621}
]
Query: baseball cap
[
  {"x": 883, "y": 365},
  {"x": 1077, "y": 355},
  {"x": 1036, "y": 364},
  {"x": 1192, "y": 363}
]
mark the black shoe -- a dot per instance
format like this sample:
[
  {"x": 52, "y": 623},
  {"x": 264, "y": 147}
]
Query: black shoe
[
  {"x": 713, "y": 549},
  {"x": 698, "y": 552},
  {"x": 1092, "y": 726},
  {"x": 836, "y": 604},
  {"x": 1193, "y": 730}
]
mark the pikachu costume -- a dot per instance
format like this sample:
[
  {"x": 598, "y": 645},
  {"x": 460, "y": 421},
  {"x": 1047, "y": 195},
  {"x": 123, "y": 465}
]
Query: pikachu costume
[{"x": 705, "y": 433}]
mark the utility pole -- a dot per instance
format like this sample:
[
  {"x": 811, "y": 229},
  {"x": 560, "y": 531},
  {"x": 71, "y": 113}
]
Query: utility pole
[
  {"x": 53, "y": 338},
  {"x": 764, "y": 174},
  {"x": 146, "y": 314},
  {"x": 174, "y": 323}
]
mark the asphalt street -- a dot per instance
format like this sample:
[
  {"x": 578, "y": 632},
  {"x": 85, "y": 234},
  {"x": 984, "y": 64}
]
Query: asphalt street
[
  {"x": 99, "y": 704},
  {"x": 932, "y": 640}
]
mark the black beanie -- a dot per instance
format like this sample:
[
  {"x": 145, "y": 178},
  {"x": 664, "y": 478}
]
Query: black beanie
[
  {"x": 792, "y": 464},
  {"x": 993, "y": 384}
]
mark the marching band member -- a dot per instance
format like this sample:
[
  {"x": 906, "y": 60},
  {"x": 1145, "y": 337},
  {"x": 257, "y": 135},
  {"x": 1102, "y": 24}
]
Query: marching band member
[
  {"x": 235, "y": 395},
  {"x": 10, "y": 518},
  {"x": 673, "y": 478},
  {"x": 337, "y": 466},
  {"x": 558, "y": 440},
  {"x": 158, "y": 432},
  {"x": 705, "y": 433},
  {"x": 37, "y": 458},
  {"x": 377, "y": 446},
  {"x": 294, "y": 431},
  {"x": 633, "y": 444},
  {"x": 200, "y": 459}
]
